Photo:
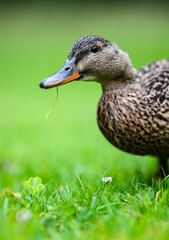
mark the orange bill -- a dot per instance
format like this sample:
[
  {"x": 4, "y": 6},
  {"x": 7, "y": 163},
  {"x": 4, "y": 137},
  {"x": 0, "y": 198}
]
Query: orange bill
[
  {"x": 66, "y": 74},
  {"x": 70, "y": 78}
]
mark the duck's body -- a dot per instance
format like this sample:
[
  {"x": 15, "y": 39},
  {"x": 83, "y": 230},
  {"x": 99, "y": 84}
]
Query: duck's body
[
  {"x": 135, "y": 118},
  {"x": 133, "y": 112}
]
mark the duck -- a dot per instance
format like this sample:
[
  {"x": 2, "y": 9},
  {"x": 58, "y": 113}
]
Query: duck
[{"x": 133, "y": 111}]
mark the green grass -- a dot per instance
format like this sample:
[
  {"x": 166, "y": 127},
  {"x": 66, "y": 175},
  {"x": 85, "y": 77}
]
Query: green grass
[
  {"x": 67, "y": 150},
  {"x": 85, "y": 211}
]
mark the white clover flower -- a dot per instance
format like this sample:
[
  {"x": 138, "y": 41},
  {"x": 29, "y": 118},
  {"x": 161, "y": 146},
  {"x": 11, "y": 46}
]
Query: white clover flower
[{"x": 107, "y": 179}]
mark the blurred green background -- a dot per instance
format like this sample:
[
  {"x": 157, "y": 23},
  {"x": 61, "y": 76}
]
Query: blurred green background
[{"x": 35, "y": 41}]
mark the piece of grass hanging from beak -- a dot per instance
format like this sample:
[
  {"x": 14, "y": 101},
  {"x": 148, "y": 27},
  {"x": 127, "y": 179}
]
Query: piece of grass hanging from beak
[{"x": 52, "y": 107}]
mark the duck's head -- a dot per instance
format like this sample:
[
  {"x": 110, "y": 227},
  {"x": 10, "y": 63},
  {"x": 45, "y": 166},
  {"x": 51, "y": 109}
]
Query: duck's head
[{"x": 92, "y": 58}]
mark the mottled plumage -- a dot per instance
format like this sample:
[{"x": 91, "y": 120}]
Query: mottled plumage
[
  {"x": 136, "y": 118},
  {"x": 133, "y": 112}
]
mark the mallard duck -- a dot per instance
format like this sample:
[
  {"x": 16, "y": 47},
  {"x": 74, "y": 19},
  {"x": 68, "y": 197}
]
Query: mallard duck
[{"x": 133, "y": 111}]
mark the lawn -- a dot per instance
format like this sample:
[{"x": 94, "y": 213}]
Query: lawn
[{"x": 51, "y": 168}]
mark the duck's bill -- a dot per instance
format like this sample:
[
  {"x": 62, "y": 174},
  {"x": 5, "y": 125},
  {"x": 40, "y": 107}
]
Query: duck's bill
[{"x": 66, "y": 74}]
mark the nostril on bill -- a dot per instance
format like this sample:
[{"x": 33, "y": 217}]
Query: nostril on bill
[{"x": 66, "y": 69}]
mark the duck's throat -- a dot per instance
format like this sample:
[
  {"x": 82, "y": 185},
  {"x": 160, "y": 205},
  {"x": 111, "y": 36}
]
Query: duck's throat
[{"x": 120, "y": 82}]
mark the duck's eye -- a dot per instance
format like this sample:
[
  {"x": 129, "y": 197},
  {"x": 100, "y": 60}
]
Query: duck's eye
[{"x": 94, "y": 49}]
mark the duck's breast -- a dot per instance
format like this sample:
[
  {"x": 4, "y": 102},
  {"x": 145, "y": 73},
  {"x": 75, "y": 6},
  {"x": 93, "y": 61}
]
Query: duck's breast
[{"x": 134, "y": 122}]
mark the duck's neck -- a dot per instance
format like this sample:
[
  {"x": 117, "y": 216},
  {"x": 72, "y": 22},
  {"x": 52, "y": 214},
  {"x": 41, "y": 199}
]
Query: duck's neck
[
  {"x": 119, "y": 85},
  {"x": 122, "y": 82}
]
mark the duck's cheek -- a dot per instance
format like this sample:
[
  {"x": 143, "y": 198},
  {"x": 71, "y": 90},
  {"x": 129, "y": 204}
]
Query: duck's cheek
[{"x": 90, "y": 78}]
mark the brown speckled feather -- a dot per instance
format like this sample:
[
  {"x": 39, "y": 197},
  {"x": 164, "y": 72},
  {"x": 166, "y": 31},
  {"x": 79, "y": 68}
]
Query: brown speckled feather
[{"x": 136, "y": 118}]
